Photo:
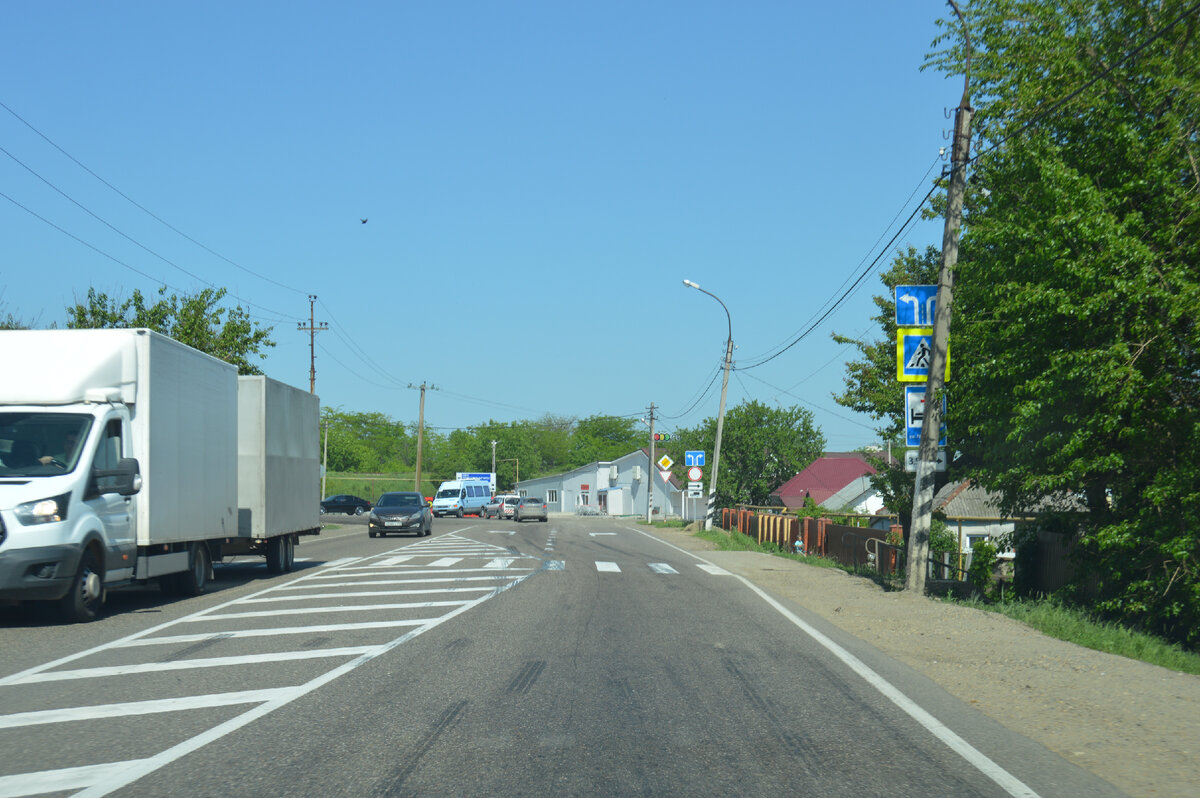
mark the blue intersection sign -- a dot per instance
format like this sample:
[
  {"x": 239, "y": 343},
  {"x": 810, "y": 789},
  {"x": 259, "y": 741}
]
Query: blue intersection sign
[{"x": 693, "y": 459}]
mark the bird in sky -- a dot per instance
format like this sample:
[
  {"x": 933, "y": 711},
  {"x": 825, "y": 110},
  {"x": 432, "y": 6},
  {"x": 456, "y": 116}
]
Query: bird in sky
[{"x": 364, "y": 221}]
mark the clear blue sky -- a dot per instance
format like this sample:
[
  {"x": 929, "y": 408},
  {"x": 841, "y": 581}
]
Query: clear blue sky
[{"x": 539, "y": 178}]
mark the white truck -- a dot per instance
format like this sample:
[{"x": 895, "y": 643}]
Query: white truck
[{"x": 126, "y": 456}]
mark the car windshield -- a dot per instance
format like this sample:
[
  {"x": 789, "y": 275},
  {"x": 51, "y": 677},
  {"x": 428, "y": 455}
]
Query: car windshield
[
  {"x": 41, "y": 444},
  {"x": 449, "y": 493},
  {"x": 511, "y": 500},
  {"x": 531, "y": 500},
  {"x": 399, "y": 500}
]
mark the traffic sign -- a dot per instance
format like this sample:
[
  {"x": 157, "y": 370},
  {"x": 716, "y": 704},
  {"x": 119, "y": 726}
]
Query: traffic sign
[
  {"x": 915, "y": 305},
  {"x": 695, "y": 474},
  {"x": 914, "y": 415},
  {"x": 695, "y": 485},
  {"x": 693, "y": 458},
  {"x": 914, "y": 354},
  {"x": 910, "y": 460},
  {"x": 665, "y": 462}
]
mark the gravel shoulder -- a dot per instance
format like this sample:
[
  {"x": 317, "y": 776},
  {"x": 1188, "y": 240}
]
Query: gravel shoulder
[{"x": 1134, "y": 725}]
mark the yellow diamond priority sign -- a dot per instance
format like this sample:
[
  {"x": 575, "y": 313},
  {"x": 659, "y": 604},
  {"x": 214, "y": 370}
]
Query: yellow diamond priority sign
[{"x": 665, "y": 462}]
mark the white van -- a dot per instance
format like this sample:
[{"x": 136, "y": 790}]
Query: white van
[{"x": 461, "y": 496}]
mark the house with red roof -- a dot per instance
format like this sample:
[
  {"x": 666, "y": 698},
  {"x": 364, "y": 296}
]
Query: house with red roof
[{"x": 835, "y": 480}]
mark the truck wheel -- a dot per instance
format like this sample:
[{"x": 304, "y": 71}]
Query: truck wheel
[
  {"x": 82, "y": 602},
  {"x": 460, "y": 512},
  {"x": 281, "y": 554},
  {"x": 194, "y": 580}
]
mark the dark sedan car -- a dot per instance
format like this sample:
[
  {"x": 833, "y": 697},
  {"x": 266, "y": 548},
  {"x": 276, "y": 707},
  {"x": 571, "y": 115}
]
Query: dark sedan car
[
  {"x": 530, "y": 507},
  {"x": 345, "y": 503},
  {"x": 400, "y": 512}
]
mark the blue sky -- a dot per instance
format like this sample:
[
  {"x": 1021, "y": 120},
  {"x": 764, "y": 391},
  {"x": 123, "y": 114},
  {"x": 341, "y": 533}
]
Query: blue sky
[{"x": 539, "y": 178}]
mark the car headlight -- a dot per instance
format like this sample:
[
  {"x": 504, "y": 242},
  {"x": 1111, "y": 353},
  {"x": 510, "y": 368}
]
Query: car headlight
[{"x": 43, "y": 511}]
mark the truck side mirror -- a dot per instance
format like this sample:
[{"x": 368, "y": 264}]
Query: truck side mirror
[{"x": 125, "y": 479}]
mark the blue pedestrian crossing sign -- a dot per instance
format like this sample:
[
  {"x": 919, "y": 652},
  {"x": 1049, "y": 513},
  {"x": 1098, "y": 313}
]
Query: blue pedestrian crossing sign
[
  {"x": 691, "y": 459},
  {"x": 914, "y": 354},
  {"x": 915, "y": 305}
]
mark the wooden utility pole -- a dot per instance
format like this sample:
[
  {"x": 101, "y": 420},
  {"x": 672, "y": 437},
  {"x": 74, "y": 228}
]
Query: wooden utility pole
[
  {"x": 922, "y": 513},
  {"x": 421, "y": 429},
  {"x": 312, "y": 329}
]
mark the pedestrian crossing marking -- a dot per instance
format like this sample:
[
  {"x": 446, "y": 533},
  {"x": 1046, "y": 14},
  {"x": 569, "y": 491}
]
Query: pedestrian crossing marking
[
  {"x": 607, "y": 567},
  {"x": 715, "y": 570},
  {"x": 662, "y": 568}
]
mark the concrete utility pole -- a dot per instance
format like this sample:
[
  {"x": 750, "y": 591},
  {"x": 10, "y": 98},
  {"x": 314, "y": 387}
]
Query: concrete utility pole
[
  {"x": 922, "y": 512},
  {"x": 494, "y": 458},
  {"x": 325, "y": 461},
  {"x": 650, "y": 472},
  {"x": 312, "y": 330}
]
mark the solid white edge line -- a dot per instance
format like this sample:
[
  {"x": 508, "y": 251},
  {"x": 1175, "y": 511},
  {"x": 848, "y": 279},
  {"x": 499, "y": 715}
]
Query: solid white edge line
[{"x": 980, "y": 761}]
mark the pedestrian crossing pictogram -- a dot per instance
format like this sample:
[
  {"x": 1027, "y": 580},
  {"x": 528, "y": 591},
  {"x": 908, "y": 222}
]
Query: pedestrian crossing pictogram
[{"x": 914, "y": 354}]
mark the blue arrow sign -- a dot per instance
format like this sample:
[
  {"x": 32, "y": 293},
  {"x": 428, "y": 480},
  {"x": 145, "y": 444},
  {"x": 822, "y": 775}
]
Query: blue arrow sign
[
  {"x": 693, "y": 459},
  {"x": 915, "y": 305}
]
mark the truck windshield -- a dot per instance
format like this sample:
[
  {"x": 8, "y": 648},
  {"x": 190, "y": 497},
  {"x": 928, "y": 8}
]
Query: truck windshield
[
  {"x": 41, "y": 444},
  {"x": 449, "y": 493}
]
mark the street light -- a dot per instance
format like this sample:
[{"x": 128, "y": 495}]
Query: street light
[{"x": 712, "y": 485}]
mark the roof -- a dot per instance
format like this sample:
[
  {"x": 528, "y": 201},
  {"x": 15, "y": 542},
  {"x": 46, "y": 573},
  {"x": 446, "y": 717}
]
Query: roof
[{"x": 826, "y": 476}]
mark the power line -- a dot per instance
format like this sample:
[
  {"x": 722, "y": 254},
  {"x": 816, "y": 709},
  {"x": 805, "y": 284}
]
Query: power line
[{"x": 141, "y": 207}]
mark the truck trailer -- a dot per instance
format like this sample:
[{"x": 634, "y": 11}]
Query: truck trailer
[{"x": 121, "y": 460}]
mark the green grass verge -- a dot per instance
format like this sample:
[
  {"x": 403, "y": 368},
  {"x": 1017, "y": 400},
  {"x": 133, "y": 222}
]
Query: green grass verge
[
  {"x": 1054, "y": 619},
  {"x": 1048, "y": 616}
]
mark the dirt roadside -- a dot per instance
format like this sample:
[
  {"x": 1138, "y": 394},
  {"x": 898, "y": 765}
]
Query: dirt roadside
[{"x": 1134, "y": 725}]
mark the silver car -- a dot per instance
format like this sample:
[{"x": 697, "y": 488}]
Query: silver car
[{"x": 528, "y": 508}]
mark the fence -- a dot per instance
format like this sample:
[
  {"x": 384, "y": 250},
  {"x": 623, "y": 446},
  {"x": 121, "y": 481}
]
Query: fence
[{"x": 855, "y": 546}]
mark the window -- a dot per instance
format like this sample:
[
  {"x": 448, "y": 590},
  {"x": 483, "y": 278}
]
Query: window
[
  {"x": 551, "y": 496},
  {"x": 108, "y": 456}
]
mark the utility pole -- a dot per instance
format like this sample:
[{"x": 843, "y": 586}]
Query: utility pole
[
  {"x": 421, "y": 428},
  {"x": 312, "y": 329},
  {"x": 494, "y": 458},
  {"x": 922, "y": 512},
  {"x": 650, "y": 472}
]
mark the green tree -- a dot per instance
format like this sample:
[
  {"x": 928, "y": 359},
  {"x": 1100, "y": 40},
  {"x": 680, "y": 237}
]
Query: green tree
[
  {"x": 1077, "y": 292},
  {"x": 198, "y": 320},
  {"x": 600, "y": 438},
  {"x": 761, "y": 448}
]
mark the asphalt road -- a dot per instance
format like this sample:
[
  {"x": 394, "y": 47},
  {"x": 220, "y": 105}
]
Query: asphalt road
[{"x": 582, "y": 656}]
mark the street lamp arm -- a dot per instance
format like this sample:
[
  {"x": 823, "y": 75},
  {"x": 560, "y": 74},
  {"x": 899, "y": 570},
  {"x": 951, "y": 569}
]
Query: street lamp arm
[{"x": 728, "y": 318}]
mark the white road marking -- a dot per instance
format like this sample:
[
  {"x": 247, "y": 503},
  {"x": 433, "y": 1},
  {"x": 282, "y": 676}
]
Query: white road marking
[
  {"x": 269, "y": 632},
  {"x": 981, "y": 762},
  {"x": 500, "y": 563},
  {"x": 393, "y": 561},
  {"x": 61, "y": 780},
  {"x": 44, "y": 716},
  {"x": 600, "y": 534},
  {"x": 361, "y": 593},
  {"x": 317, "y": 610},
  {"x": 607, "y": 567},
  {"x": 502, "y": 531},
  {"x": 188, "y": 664},
  {"x": 662, "y": 568},
  {"x": 715, "y": 570}
]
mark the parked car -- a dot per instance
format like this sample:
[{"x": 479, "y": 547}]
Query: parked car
[
  {"x": 400, "y": 511},
  {"x": 345, "y": 503},
  {"x": 495, "y": 506},
  {"x": 530, "y": 507}
]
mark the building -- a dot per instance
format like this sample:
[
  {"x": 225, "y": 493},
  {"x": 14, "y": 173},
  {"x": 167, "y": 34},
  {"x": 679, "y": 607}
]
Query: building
[
  {"x": 836, "y": 481},
  {"x": 615, "y": 487}
]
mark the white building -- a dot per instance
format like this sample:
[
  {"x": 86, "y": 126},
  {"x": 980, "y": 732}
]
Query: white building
[{"x": 615, "y": 487}]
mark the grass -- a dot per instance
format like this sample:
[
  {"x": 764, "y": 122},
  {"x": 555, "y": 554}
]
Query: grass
[
  {"x": 1055, "y": 619},
  {"x": 1049, "y": 616}
]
